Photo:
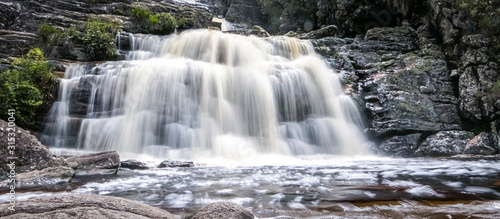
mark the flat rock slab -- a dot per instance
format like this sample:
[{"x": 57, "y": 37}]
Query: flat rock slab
[
  {"x": 46, "y": 177},
  {"x": 84, "y": 207},
  {"x": 98, "y": 163}
]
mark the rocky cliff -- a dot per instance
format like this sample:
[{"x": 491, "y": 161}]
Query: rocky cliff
[{"x": 424, "y": 72}]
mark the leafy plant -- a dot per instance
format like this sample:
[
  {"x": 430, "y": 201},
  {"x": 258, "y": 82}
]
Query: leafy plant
[
  {"x": 99, "y": 40},
  {"x": 26, "y": 87},
  {"x": 57, "y": 42},
  {"x": 159, "y": 23}
]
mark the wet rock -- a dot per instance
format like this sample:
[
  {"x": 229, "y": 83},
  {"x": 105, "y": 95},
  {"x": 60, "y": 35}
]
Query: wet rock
[
  {"x": 478, "y": 76},
  {"x": 245, "y": 12},
  {"x": 403, "y": 37},
  {"x": 133, "y": 165},
  {"x": 259, "y": 31},
  {"x": 404, "y": 90},
  {"x": 46, "y": 177},
  {"x": 445, "y": 143},
  {"x": 481, "y": 144},
  {"x": 495, "y": 132},
  {"x": 222, "y": 210},
  {"x": 16, "y": 43},
  {"x": 400, "y": 146},
  {"x": 29, "y": 154},
  {"x": 83, "y": 206},
  {"x": 94, "y": 164},
  {"x": 170, "y": 163},
  {"x": 327, "y": 31}
]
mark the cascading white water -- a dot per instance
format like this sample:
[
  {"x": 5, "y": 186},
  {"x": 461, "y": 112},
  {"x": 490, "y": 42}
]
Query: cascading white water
[{"x": 208, "y": 94}]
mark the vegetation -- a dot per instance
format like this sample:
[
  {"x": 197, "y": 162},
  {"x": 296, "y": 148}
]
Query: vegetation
[
  {"x": 158, "y": 23},
  {"x": 99, "y": 39},
  {"x": 57, "y": 43},
  {"x": 26, "y": 87},
  {"x": 486, "y": 14}
]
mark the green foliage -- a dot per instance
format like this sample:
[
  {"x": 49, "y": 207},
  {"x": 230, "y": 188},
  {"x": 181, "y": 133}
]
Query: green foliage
[
  {"x": 98, "y": 39},
  {"x": 57, "y": 42},
  {"x": 158, "y": 23},
  {"x": 486, "y": 14},
  {"x": 24, "y": 87},
  {"x": 47, "y": 32}
]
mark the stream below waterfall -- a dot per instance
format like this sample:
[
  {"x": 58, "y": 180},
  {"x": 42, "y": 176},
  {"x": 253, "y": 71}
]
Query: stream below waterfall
[{"x": 312, "y": 188}]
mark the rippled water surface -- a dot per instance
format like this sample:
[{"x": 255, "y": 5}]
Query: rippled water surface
[{"x": 410, "y": 188}]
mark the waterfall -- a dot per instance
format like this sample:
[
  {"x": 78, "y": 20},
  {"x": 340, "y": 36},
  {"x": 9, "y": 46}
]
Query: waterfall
[{"x": 205, "y": 93}]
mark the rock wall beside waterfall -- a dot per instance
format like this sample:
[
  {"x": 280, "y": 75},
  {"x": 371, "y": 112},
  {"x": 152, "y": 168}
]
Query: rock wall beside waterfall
[{"x": 413, "y": 101}]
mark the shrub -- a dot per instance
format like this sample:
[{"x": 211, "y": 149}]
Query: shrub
[
  {"x": 160, "y": 23},
  {"x": 57, "y": 43},
  {"x": 26, "y": 87},
  {"x": 99, "y": 39}
]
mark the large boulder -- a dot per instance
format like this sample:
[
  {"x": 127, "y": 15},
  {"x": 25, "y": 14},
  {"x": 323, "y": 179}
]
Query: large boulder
[
  {"x": 400, "y": 146},
  {"x": 96, "y": 163},
  {"x": 28, "y": 155},
  {"x": 133, "y": 165},
  {"x": 171, "y": 163},
  {"x": 445, "y": 143},
  {"x": 227, "y": 210},
  {"x": 82, "y": 206},
  {"x": 481, "y": 144}
]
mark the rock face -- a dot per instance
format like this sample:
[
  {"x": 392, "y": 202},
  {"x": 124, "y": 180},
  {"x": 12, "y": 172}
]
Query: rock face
[
  {"x": 404, "y": 85},
  {"x": 218, "y": 210},
  {"x": 479, "y": 100},
  {"x": 400, "y": 146},
  {"x": 18, "y": 28},
  {"x": 245, "y": 12},
  {"x": 29, "y": 152},
  {"x": 445, "y": 143},
  {"x": 83, "y": 206}
]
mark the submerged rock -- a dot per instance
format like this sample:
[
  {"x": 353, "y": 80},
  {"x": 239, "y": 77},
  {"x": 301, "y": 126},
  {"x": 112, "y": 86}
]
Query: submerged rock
[
  {"x": 445, "y": 143},
  {"x": 170, "y": 163},
  {"x": 219, "y": 210},
  {"x": 133, "y": 165},
  {"x": 481, "y": 144},
  {"x": 83, "y": 206},
  {"x": 93, "y": 164}
]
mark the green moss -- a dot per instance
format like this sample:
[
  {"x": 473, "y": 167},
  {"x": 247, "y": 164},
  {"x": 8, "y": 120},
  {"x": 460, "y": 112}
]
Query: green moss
[{"x": 26, "y": 87}]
